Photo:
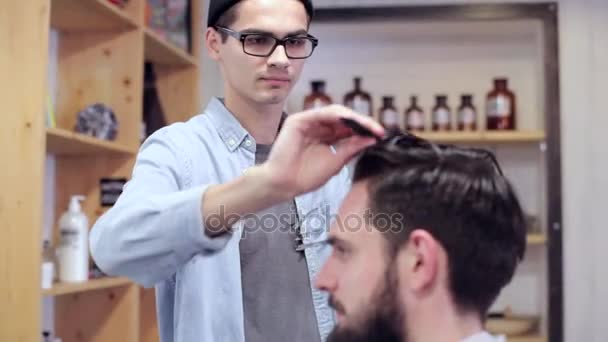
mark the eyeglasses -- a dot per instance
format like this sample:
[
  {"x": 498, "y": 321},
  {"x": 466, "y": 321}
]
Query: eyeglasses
[{"x": 263, "y": 45}]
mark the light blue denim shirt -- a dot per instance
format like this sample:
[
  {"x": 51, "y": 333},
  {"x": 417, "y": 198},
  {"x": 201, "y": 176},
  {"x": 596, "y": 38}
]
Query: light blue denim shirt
[{"x": 154, "y": 234}]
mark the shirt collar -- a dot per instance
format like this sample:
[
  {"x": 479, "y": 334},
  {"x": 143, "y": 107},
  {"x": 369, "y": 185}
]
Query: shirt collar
[{"x": 232, "y": 133}]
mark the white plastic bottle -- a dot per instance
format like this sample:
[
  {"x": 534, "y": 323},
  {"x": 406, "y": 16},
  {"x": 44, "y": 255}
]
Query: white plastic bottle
[{"x": 73, "y": 251}]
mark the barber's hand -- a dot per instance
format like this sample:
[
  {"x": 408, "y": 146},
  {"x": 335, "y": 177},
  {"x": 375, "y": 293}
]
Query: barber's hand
[{"x": 301, "y": 159}]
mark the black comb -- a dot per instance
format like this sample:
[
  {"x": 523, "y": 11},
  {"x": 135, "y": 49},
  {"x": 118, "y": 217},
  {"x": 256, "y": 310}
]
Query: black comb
[{"x": 358, "y": 129}]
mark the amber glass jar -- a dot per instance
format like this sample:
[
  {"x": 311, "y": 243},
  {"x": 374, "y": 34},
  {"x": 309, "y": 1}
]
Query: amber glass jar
[
  {"x": 389, "y": 116},
  {"x": 414, "y": 116},
  {"x": 317, "y": 98},
  {"x": 501, "y": 108},
  {"x": 359, "y": 100},
  {"x": 467, "y": 114},
  {"x": 442, "y": 114}
]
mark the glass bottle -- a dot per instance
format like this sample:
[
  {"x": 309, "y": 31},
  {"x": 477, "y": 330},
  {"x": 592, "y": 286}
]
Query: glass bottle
[
  {"x": 317, "y": 98},
  {"x": 389, "y": 116},
  {"x": 501, "y": 108},
  {"x": 442, "y": 114},
  {"x": 359, "y": 100},
  {"x": 467, "y": 114},
  {"x": 414, "y": 116}
]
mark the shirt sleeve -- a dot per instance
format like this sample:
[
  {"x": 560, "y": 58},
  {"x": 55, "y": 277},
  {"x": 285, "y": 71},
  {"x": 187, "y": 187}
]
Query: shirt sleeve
[{"x": 154, "y": 228}]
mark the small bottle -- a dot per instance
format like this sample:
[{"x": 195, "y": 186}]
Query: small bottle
[
  {"x": 501, "y": 108},
  {"x": 359, "y": 100},
  {"x": 73, "y": 251},
  {"x": 467, "y": 114},
  {"x": 48, "y": 265},
  {"x": 389, "y": 116},
  {"x": 442, "y": 114},
  {"x": 317, "y": 98},
  {"x": 414, "y": 116}
]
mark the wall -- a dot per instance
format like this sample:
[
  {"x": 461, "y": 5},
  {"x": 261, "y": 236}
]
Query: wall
[{"x": 583, "y": 71}]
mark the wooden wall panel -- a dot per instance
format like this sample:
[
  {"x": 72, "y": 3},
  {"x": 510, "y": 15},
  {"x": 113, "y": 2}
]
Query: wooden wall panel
[
  {"x": 99, "y": 316},
  {"x": 23, "y": 53}
]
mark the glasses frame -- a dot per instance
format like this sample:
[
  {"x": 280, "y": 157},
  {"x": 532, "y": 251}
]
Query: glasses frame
[{"x": 241, "y": 36}]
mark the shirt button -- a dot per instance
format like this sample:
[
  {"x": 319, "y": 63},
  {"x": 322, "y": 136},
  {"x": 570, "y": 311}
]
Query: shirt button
[
  {"x": 231, "y": 142},
  {"x": 248, "y": 142}
]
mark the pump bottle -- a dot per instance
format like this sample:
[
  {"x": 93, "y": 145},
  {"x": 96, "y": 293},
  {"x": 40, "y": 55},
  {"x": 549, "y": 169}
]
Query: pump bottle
[{"x": 73, "y": 251}]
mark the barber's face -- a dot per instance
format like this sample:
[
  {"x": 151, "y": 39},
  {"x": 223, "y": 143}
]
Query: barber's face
[
  {"x": 262, "y": 80},
  {"x": 361, "y": 278}
]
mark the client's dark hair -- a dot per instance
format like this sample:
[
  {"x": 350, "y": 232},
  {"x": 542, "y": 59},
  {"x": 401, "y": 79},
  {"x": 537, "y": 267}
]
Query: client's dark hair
[{"x": 462, "y": 199}]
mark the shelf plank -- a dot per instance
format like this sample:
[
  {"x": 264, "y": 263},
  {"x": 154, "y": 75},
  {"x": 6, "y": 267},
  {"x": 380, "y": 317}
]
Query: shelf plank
[
  {"x": 91, "y": 285},
  {"x": 63, "y": 142},
  {"x": 482, "y": 137},
  {"x": 537, "y": 239},
  {"x": 161, "y": 51},
  {"x": 530, "y": 338},
  {"x": 89, "y": 15}
]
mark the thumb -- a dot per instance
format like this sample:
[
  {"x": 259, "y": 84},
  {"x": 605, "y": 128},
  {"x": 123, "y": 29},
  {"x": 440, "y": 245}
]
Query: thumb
[{"x": 349, "y": 147}]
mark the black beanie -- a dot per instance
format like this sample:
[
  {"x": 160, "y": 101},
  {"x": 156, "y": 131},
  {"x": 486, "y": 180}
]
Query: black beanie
[{"x": 218, "y": 7}]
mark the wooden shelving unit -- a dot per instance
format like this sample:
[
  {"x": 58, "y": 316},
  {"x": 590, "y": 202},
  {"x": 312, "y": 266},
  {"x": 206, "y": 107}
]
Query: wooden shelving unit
[
  {"x": 64, "y": 142},
  {"x": 102, "y": 51},
  {"x": 530, "y": 338},
  {"x": 537, "y": 239},
  {"x": 59, "y": 289},
  {"x": 485, "y": 137},
  {"x": 160, "y": 51},
  {"x": 89, "y": 15}
]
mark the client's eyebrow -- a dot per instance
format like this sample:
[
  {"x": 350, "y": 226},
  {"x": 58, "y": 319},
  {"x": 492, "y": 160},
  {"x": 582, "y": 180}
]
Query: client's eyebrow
[
  {"x": 264, "y": 32},
  {"x": 335, "y": 241}
]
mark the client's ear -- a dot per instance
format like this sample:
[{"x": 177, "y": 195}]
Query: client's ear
[{"x": 420, "y": 259}]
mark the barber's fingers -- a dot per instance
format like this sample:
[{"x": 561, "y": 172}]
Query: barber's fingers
[
  {"x": 331, "y": 116},
  {"x": 351, "y": 146}
]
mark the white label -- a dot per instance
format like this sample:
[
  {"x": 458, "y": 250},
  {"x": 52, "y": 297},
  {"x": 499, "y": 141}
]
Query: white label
[
  {"x": 361, "y": 105},
  {"x": 390, "y": 117},
  {"x": 415, "y": 119},
  {"x": 48, "y": 274},
  {"x": 466, "y": 116},
  {"x": 318, "y": 103},
  {"x": 499, "y": 107},
  {"x": 441, "y": 116}
]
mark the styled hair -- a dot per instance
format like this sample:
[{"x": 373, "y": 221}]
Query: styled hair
[
  {"x": 461, "y": 198},
  {"x": 231, "y": 15}
]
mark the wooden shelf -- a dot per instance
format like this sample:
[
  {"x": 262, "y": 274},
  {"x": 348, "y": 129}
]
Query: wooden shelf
[
  {"x": 93, "y": 284},
  {"x": 482, "y": 137},
  {"x": 63, "y": 142},
  {"x": 530, "y": 338},
  {"x": 161, "y": 51},
  {"x": 537, "y": 239},
  {"x": 89, "y": 15}
]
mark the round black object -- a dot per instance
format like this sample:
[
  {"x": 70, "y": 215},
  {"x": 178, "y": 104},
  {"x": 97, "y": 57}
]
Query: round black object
[
  {"x": 218, "y": 7},
  {"x": 99, "y": 121}
]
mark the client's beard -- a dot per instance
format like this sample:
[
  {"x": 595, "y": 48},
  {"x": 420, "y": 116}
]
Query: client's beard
[{"x": 384, "y": 319}]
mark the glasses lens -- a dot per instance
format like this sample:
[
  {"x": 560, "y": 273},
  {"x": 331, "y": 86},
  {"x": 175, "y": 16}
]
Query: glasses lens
[
  {"x": 257, "y": 44},
  {"x": 298, "y": 47}
]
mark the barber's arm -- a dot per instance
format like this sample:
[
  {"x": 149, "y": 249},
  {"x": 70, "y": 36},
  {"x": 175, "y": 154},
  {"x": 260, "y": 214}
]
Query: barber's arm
[
  {"x": 301, "y": 161},
  {"x": 154, "y": 227}
]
